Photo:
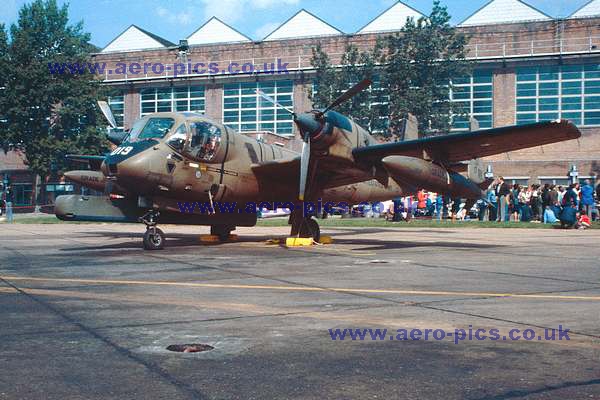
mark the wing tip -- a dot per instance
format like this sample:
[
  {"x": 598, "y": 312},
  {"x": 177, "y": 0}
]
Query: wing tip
[{"x": 572, "y": 130}]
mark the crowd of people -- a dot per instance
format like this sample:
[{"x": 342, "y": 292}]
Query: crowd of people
[{"x": 572, "y": 206}]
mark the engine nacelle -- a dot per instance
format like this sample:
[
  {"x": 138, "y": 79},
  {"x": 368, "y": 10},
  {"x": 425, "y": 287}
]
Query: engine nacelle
[{"x": 429, "y": 176}]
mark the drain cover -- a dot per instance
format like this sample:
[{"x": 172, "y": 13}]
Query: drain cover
[{"x": 189, "y": 348}]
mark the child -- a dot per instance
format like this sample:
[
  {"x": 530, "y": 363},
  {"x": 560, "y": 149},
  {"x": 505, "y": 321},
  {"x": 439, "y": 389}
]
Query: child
[{"x": 583, "y": 221}]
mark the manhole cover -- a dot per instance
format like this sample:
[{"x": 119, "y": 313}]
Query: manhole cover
[{"x": 189, "y": 348}]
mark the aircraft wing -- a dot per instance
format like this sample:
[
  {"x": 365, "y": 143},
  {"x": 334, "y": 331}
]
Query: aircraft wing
[
  {"x": 458, "y": 147},
  {"x": 281, "y": 176},
  {"x": 95, "y": 162}
]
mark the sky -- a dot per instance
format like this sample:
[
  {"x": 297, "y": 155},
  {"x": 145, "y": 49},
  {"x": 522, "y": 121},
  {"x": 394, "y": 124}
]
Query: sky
[{"x": 177, "y": 19}]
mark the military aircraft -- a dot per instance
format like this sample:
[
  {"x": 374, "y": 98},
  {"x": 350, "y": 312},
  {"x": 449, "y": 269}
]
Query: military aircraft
[{"x": 168, "y": 158}]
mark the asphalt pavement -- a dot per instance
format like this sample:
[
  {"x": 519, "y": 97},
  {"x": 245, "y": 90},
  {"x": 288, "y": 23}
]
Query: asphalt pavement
[{"x": 86, "y": 313}]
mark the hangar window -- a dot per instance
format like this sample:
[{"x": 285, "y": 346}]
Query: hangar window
[
  {"x": 550, "y": 92},
  {"x": 473, "y": 96},
  {"x": 245, "y": 110},
  {"x": 172, "y": 99},
  {"x": 117, "y": 105}
]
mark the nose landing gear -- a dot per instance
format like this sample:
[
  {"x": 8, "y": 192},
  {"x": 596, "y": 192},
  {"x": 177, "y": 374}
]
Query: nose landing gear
[{"x": 154, "y": 238}]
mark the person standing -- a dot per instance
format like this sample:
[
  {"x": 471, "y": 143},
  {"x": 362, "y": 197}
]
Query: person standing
[
  {"x": 503, "y": 192},
  {"x": 587, "y": 198},
  {"x": 515, "y": 200},
  {"x": 492, "y": 199},
  {"x": 439, "y": 206},
  {"x": 8, "y": 201}
]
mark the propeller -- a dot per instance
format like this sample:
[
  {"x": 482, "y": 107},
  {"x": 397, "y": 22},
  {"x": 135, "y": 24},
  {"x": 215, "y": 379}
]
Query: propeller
[
  {"x": 312, "y": 123},
  {"x": 347, "y": 95}
]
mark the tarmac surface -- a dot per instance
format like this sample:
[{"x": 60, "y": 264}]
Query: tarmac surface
[{"x": 85, "y": 313}]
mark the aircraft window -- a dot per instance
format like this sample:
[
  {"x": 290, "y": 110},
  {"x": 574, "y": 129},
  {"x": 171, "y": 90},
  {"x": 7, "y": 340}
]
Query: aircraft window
[
  {"x": 155, "y": 128},
  {"x": 205, "y": 140},
  {"x": 177, "y": 139}
]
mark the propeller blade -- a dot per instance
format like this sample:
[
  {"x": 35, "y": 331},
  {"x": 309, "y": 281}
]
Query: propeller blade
[
  {"x": 348, "y": 94},
  {"x": 304, "y": 161},
  {"x": 272, "y": 100},
  {"x": 105, "y": 108}
]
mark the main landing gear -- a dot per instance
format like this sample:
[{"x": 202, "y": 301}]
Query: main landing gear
[
  {"x": 222, "y": 231},
  {"x": 154, "y": 238},
  {"x": 304, "y": 226}
]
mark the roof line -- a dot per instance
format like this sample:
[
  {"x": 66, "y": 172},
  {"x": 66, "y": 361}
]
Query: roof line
[
  {"x": 491, "y": 1},
  {"x": 581, "y": 8},
  {"x": 388, "y": 9},
  {"x": 293, "y": 16},
  {"x": 227, "y": 25},
  {"x": 160, "y": 40},
  {"x": 163, "y": 41}
]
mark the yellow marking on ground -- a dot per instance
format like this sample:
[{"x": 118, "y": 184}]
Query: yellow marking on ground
[{"x": 302, "y": 288}]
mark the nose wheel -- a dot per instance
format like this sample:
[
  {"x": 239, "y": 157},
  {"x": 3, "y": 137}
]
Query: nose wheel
[{"x": 154, "y": 238}]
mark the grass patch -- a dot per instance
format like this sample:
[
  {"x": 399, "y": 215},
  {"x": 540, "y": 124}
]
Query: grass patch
[
  {"x": 381, "y": 223},
  {"x": 42, "y": 219}
]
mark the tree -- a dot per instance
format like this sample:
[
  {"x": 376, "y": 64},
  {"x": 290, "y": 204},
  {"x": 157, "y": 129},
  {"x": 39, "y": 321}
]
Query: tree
[
  {"x": 4, "y": 68},
  {"x": 419, "y": 64},
  {"x": 331, "y": 82},
  {"x": 50, "y": 115},
  {"x": 412, "y": 73}
]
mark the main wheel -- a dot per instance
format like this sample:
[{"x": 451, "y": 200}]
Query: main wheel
[
  {"x": 222, "y": 232},
  {"x": 310, "y": 228},
  {"x": 154, "y": 239}
]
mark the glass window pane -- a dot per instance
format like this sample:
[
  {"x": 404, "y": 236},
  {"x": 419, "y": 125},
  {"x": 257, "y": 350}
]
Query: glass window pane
[
  {"x": 248, "y": 127},
  {"x": 181, "y": 92},
  {"x": 196, "y": 91},
  {"x": 480, "y": 76},
  {"x": 592, "y": 71},
  {"x": 164, "y": 106},
  {"x": 592, "y": 103},
  {"x": 548, "y": 116},
  {"x": 181, "y": 105},
  {"x": 197, "y": 105},
  {"x": 148, "y": 107},
  {"x": 592, "y": 118},
  {"x": 548, "y": 73},
  {"x": 526, "y": 74},
  {"x": 148, "y": 94}
]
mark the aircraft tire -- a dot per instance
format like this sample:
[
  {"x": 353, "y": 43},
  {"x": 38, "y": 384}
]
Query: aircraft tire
[
  {"x": 310, "y": 228},
  {"x": 222, "y": 232},
  {"x": 154, "y": 241}
]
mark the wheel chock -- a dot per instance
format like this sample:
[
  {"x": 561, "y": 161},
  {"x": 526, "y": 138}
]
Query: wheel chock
[
  {"x": 326, "y": 240},
  {"x": 298, "y": 242},
  {"x": 210, "y": 239},
  {"x": 273, "y": 241},
  {"x": 233, "y": 238}
]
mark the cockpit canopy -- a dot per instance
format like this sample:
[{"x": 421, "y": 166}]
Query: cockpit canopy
[
  {"x": 197, "y": 139},
  {"x": 151, "y": 128},
  {"x": 202, "y": 143}
]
